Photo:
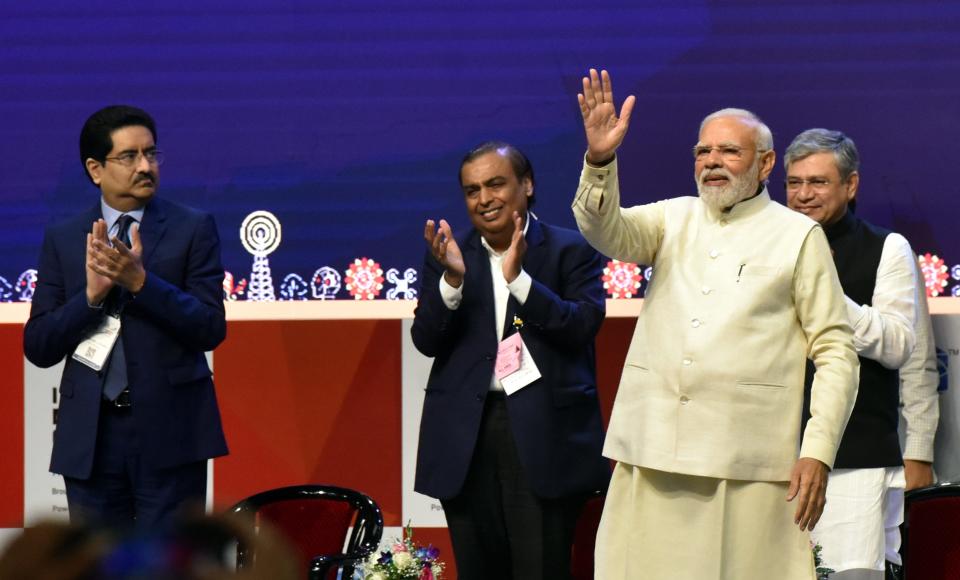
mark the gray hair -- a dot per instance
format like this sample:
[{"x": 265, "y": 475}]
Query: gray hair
[
  {"x": 814, "y": 141},
  {"x": 764, "y": 135}
]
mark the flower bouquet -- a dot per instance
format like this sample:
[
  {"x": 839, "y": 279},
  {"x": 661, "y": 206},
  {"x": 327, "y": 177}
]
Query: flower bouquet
[
  {"x": 404, "y": 561},
  {"x": 823, "y": 573}
]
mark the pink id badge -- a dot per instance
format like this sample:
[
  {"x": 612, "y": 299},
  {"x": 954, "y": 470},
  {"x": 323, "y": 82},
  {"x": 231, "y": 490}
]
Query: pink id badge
[{"x": 508, "y": 356}]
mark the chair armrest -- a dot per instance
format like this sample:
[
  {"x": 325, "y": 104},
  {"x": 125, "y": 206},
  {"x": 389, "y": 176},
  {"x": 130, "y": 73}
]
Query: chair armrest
[{"x": 321, "y": 565}]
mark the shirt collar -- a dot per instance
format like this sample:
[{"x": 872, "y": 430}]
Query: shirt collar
[
  {"x": 841, "y": 227},
  {"x": 111, "y": 215},
  {"x": 741, "y": 209},
  {"x": 526, "y": 226}
]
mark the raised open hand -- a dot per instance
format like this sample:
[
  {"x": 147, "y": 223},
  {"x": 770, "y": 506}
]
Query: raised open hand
[
  {"x": 444, "y": 248},
  {"x": 605, "y": 131}
]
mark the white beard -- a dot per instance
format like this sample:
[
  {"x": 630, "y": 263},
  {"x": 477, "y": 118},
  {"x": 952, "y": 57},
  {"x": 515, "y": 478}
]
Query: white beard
[{"x": 736, "y": 190}]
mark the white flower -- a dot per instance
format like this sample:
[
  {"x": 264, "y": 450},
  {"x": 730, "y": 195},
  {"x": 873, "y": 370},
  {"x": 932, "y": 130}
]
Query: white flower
[
  {"x": 402, "y": 559},
  {"x": 376, "y": 576}
]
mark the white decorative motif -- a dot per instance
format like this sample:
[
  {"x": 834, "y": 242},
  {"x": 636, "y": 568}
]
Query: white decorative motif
[
  {"x": 294, "y": 287},
  {"x": 260, "y": 234},
  {"x": 401, "y": 289},
  {"x": 6, "y": 290},
  {"x": 27, "y": 285},
  {"x": 325, "y": 283}
]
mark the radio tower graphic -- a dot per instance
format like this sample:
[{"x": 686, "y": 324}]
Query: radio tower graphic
[{"x": 260, "y": 234}]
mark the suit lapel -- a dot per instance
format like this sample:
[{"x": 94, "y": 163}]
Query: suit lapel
[
  {"x": 479, "y": 286},
  {"x": 535, "y": 248},
  {"x": 92, "y": 215},
  {"x": 78, "y": 250},
  {"x": 153, "y": 228},
  {"x": 531, "y": 265},
  {"x": 477, "y": 260}
]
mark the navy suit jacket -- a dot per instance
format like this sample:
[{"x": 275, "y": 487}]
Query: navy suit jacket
[
  {"x": 555, "y": 421},
  {"x": 166, "y": 328}
]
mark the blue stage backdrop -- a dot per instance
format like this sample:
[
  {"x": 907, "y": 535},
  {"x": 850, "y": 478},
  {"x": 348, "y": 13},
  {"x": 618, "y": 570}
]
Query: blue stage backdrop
[{"x": 346, "y": 121}]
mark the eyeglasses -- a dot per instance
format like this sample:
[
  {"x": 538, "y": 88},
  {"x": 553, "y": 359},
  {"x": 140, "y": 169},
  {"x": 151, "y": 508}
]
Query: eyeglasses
[
  {"x": 728, "y": 152},
  {"x": 131, "y": 158},
  {"x": 817, "y": 184}
]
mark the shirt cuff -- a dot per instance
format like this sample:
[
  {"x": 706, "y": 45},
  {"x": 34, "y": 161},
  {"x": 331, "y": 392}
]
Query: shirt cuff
[
  {"x": 854, "y": 315},
  {"x": 451, "y": 296},
  {"x": 593, "y": 185},
  {"x": 520, "y": 287},
  {"x": 918, "y": 449}
]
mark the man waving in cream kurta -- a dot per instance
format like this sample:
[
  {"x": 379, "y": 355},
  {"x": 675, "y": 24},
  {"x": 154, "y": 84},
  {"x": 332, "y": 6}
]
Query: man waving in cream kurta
[{"x": 713, "y": 478}]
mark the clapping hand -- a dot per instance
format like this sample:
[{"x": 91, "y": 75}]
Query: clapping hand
[
  {"x": 513, "y": 258},
  {"x": 116, "y": 263},
  {"x": 98, "y": 285},
  {"x": 445, "y": 250}
]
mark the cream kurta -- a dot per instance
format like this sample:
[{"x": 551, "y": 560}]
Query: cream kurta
[{"x": 713, "y": 380}]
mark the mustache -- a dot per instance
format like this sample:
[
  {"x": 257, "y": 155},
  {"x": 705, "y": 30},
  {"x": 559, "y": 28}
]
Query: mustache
[
  {"x": 146, "y": 178},
  {"x": 701, "y": 179}
]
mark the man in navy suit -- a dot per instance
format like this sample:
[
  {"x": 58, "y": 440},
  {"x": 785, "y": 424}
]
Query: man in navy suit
[
  {"x": 512, "y": 462},
  {"x": 130, "y": 293}
]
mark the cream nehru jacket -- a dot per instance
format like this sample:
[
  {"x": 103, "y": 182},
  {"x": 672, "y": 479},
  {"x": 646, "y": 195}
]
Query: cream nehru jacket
[{"x": 713, "y": 381}]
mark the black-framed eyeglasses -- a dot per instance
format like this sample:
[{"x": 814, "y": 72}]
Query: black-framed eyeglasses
[{"x": 131, "y": 158}]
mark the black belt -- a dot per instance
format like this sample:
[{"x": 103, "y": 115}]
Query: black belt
[{"x": 121, "y": 402}]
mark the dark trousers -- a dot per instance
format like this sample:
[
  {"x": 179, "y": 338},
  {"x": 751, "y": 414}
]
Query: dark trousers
[
  {"x": 121, "y": 492},
  {"x": 499, "y": 528}
]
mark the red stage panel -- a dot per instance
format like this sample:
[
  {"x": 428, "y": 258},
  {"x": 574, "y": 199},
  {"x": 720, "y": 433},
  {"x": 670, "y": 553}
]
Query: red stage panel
[
  {"x": 311, "y": 402},
  {"x": 11, "y": 428},
  {"x": 612, "y": 344}
]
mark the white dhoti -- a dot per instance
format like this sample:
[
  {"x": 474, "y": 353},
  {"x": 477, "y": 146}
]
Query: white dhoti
[
  {"x": 668, "y": 526},
  {"x": 860, "y": 526}
]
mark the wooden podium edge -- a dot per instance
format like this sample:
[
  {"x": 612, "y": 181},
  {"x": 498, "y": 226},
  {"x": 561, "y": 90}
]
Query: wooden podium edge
[{"x": 17, "y": 312}]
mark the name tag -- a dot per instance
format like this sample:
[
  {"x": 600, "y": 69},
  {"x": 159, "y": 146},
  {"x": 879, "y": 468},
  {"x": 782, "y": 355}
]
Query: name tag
[
  {"x": 508, "y": 356},
  {"x": 525, "y": 370},
  {"x": 95, "y": 349}
]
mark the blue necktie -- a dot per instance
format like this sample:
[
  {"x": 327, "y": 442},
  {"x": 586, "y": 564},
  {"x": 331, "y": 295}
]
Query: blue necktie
[{"x": 116, "y": 379}]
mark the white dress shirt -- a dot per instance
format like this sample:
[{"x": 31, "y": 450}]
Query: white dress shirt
[
  {"x": 919, "y": 379},
  {"x": 884, "y": 331},
  {"x": 502, "y": 290}
]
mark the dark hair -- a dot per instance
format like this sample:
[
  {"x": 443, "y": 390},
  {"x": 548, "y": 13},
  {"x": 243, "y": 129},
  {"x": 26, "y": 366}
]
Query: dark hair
[
  {"x": 518, "y": 161},
  {"x": 95, "y": 140}
]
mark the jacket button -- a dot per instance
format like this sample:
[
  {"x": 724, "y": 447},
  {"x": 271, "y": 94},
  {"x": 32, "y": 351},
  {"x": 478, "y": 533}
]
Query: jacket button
[{"x": 684, "y": 399}]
